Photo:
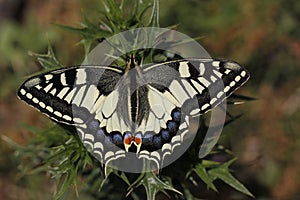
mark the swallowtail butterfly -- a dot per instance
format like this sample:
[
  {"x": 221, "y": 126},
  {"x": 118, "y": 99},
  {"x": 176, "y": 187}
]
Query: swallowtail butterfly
[{"x": 141, "y": 109}]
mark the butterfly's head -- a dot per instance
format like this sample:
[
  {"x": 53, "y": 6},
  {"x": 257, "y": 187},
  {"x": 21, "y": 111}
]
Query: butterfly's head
[{"x": 131, "y": 62}]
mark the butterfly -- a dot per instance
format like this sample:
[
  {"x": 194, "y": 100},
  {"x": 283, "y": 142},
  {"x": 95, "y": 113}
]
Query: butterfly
[{"x": 142, "y": 111}]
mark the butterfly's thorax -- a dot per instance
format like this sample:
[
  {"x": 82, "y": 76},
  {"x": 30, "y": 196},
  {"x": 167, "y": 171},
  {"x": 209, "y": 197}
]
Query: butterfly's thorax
[{"x": 134, "y": 91}]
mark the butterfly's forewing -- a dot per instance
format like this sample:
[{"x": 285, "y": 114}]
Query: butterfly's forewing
[
  {"x": 54, "y": 93},
  {"x": 210, "y": 80}
]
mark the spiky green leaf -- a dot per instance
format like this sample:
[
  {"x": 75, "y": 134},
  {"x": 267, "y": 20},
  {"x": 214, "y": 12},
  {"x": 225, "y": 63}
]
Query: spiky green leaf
[{"x": 222, "y": 172}]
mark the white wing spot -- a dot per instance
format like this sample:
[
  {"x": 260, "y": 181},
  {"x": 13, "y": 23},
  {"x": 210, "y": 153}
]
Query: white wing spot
[
  {"x": 166, "y": 147},
  {"x": 237, "y": 79},
  {"x": 48, "y": 87},
  {"x": 217, "y": 73},
  {"x": 90, "y": 97},
  {"x": 243, "y": 73},
  {"x": 79, "y": 96},
  {"x": 213, "y": 78},
  {"x": 98, "y": 103},
  {"x": 53, "y": 92},
  {"x": 220, "y": 94},
  {"x": 205, "y": 82},
  {"x": 201, "y": 69},
  {"x": 227, "y": 71},
  {"x": 67, "y": 117},
  {"x": 98, "y": 145},
  {"x": 50, "y": 109},
  {"x": 183, "y": 126},
  {"x": 123, "y": 126},
  {"x": 81, "y": 76},
  {"x": 189, "y": 88},
  {"x": 63, "y": 92},
  {"x": 232, "y": 84},
  {"x": 35, "y": 100},
  {"x": 29, "y": 96},
  {"x": 22, "y": 91},
  {"x": 58, "y": 114},
  {"x": 103, "y": 123},
  {"x": 38, "y": 87},
  {"x": 195, "y": 111},
  {"x": 199, "y": 87},
  {"x": 48, "y": 77},
  {"x": 184, "y": 69},
  {"x": 115, "y": 122},
  {"x": 171, "y": 98},
  {"x": 89, "y": 137},
  {"x": 32, "y": 82},
  {"x": 42, "y": 105},
  {"x": 226, "y": 89},
  {"x": 178, "y": 91},
  {"x": 63, "y": 79},
  {"x": 213, "y": 101},
  {"x": 169, "y": 106},
  {"x": 216, "y": 63},
  {"x": 151, "y": 126},
  {"x": 70, "y": 95},
  {"x": 109, "y": 125},
  {"x": 99, "y": 117},
  {"x": 205, "y": 106},
  {"x": 78, "y": 120},
  {"x": 110, "y": 104},
  {"x": 156, "y": 103}
]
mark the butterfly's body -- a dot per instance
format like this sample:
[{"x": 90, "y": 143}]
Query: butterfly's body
[{"x": 141, "y": 109}]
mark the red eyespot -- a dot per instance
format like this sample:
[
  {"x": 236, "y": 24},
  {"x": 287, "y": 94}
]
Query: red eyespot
[
  {"x": 128, "y": 139},
  {"x": 138, "y": 139}
]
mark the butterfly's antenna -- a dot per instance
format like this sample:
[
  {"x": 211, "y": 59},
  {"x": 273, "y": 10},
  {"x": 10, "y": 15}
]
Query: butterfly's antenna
[{"x": 111, "y": 56}]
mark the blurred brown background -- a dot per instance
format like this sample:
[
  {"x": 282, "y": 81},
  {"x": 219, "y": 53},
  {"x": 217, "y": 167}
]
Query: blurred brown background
[{"x": 263, "y": 35}]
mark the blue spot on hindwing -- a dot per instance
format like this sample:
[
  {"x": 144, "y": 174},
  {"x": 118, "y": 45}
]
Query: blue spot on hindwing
[
  {"x": 157, "y": 143},
  {"x": 100, "y": 135},
  {"x": 172, "y": 127},
  {"x": 93, "y": 125},
  {"x": 117, "y": 138},
  {"x": 176, "y": 115},
  {"x": 165, "y": 135},
  {"x": 147, "y": 139}
]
